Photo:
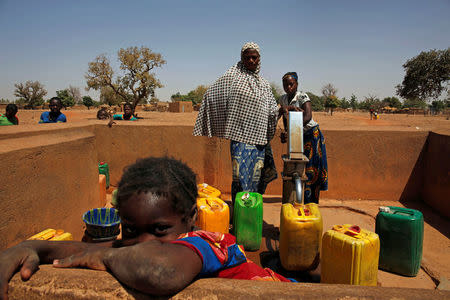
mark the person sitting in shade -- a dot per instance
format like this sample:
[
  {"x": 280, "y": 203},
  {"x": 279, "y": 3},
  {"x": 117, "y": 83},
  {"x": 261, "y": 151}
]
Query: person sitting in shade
[
  {"x": 128, "y": 113},
  {"x": 9, "y": 118},
  {"x": 54, "y": 115}
]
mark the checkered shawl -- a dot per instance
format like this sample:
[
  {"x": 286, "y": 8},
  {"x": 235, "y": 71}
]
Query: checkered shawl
[{"x": 239, "y": 106}]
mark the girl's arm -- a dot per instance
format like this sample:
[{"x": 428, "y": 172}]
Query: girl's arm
[
  {"x": 307, "y": 112},
  {"x": 27, "y": 256},
  {"x": 151, "y": 267}
]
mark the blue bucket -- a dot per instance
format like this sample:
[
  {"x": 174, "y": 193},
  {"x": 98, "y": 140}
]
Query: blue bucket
[{"x": 102, "y": 222}]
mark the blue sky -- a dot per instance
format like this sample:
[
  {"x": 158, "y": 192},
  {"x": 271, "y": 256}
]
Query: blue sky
[{"x": 358, "y": 46}]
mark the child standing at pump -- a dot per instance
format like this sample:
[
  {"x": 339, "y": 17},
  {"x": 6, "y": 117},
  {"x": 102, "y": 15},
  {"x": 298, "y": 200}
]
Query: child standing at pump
[
  {"x": 313, "y": 140},
  {"x": 159, "y": 253}
]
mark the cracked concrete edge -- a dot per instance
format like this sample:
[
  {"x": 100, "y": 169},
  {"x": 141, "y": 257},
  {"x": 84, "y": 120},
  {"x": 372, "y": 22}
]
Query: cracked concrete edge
[{"x": 51, "y": 283}]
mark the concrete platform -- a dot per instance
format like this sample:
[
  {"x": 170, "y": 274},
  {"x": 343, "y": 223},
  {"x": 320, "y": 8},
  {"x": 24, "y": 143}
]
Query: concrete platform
[{"x": 51, "y": 283}]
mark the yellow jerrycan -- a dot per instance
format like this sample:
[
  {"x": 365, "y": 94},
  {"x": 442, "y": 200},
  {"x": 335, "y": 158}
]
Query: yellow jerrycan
[
  {"x": 300, "y": 236},
  {"x": 213, "y": 215},
  {"x": 205, "y": 190},
  {"x": 350, "y": 256}
]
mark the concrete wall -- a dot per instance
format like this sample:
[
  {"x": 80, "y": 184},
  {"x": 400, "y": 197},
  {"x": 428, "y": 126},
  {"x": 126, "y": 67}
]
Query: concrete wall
[
  {"x": 49, "y": 174},
  {"x": 362, "y": 165},
  {"x": 436, "y": 173},
  {"x": 46, "y": 181}
]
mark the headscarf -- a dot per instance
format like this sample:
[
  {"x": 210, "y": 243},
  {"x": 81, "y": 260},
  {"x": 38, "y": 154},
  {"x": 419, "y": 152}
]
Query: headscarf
[{"x": 239, "y": 106}]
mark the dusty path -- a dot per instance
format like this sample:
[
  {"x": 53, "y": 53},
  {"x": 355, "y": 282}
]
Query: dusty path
[{"x": 339, "y": 120}]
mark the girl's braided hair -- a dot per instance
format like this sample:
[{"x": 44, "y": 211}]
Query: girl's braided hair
[{"x": 162, "y": 176}]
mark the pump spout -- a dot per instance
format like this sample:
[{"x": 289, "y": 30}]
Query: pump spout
[{"x": 298, "y": 187}]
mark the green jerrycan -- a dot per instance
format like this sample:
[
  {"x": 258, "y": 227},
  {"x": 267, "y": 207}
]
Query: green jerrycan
[{"x": 248, "y": 220}]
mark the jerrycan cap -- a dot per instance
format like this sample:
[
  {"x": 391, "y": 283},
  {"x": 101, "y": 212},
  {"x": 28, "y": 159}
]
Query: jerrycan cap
[
  {"x": 384, "y": 209},
  {"x": 205, "y": 185},
  {"x": 102, "y": 163}
]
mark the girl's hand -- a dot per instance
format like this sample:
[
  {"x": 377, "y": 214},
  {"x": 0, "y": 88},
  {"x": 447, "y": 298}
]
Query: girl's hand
[
  {"x": 294, "y": 108},
  {"x": 19, "y": 258},
  {"x": 91, "y": 258}
]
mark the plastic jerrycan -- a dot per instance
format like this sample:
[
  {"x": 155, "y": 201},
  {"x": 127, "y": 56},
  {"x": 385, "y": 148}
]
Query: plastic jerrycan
[
  {"x": 103, "y": 168},
  {"x": 350, "y": 256},
  {"x": 300, "y": 236},
  {"x": 401, "y": 239},
  {"x": 205, "y": 190},
  {"x": 248, "y": 220},
  {"x": 213, "y": 215}
]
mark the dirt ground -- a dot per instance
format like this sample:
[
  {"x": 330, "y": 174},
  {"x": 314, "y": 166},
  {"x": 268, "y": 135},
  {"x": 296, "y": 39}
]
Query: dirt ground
[{"x": 338, "y": 121}]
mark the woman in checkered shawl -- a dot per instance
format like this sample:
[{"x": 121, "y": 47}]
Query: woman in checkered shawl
[{"x": 240, "y": 107}]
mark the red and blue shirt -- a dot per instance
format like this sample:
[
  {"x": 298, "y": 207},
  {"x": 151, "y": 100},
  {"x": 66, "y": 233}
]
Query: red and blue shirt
[{"x": 223, "y": 258}]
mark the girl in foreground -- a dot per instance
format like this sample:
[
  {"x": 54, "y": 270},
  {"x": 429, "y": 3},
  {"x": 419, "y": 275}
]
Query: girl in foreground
[
  {"x": 159, "y": 253},
  {"x": 313, "y": 140}
]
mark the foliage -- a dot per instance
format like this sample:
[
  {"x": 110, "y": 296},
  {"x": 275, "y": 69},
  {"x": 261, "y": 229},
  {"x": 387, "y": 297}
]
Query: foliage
[
  {"x": 195, "y": 96},
  {"x": 109, "y": 97},
  {"x": 345, "y": 103},
  {"x": 332, "y": 102},
  {"x": 75, "y": 93},
  {"x": 354, "y": 102},
  {"x": 88, "y": 102},
  {"x": 176, "y": 97},
  {"x": 135, "y": 80},
  {"x": 30, "y": 93},
  {"x": 276, "y": 91},
  {"x": 371, "y": 102},
  {"x": 427, "y": 75},
  {"x": 66, "y": 99},
  {"x": 414, "y": 103},
  {"x": 391, "y": 102},
  {"x": 438, "y": 105},
  {"x": 2, "y": 100},
  {"x": 317, "y": 103}
]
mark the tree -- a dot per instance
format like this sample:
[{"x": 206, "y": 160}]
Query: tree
[
  {"x": 427, "y": 75},
  {"x": 332, "y": 102},
  {"x": 135, "y": 78},
  {"x": 329, "y": 93},
  {"x": 414, "y": 103},
  {"x": 329, "y": 90},
  {"x": 176, "y": 97},
  {"x": 2, "y": 100},
  {"x": 354, "y": 102},
  {"x": 438, "y": 106},
  {"x": 75, "y": 93},
  {"x": 276, "y": 91},
  {"x": 195, "y": 96},
  {"x": 30, "y": 93},
  {"x": 392, "y": 102},
  {"x": 345, "y": 103},
  {"x": 109, "y": 97},
  {"x": 66, "y": 98},
  {"x": 371, "y": 102},
  {"x": 317, "y": 103},
  {"x": 88, "y": 102}
]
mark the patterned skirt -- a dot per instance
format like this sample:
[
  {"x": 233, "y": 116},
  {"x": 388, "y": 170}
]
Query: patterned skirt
[
  {"x": 317, "y": 167},
  {"x": 253, "y": 168}
]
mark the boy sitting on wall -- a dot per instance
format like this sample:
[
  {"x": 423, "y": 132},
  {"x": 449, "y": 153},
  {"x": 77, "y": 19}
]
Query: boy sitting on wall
[{"x": 54, "y": 115}]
